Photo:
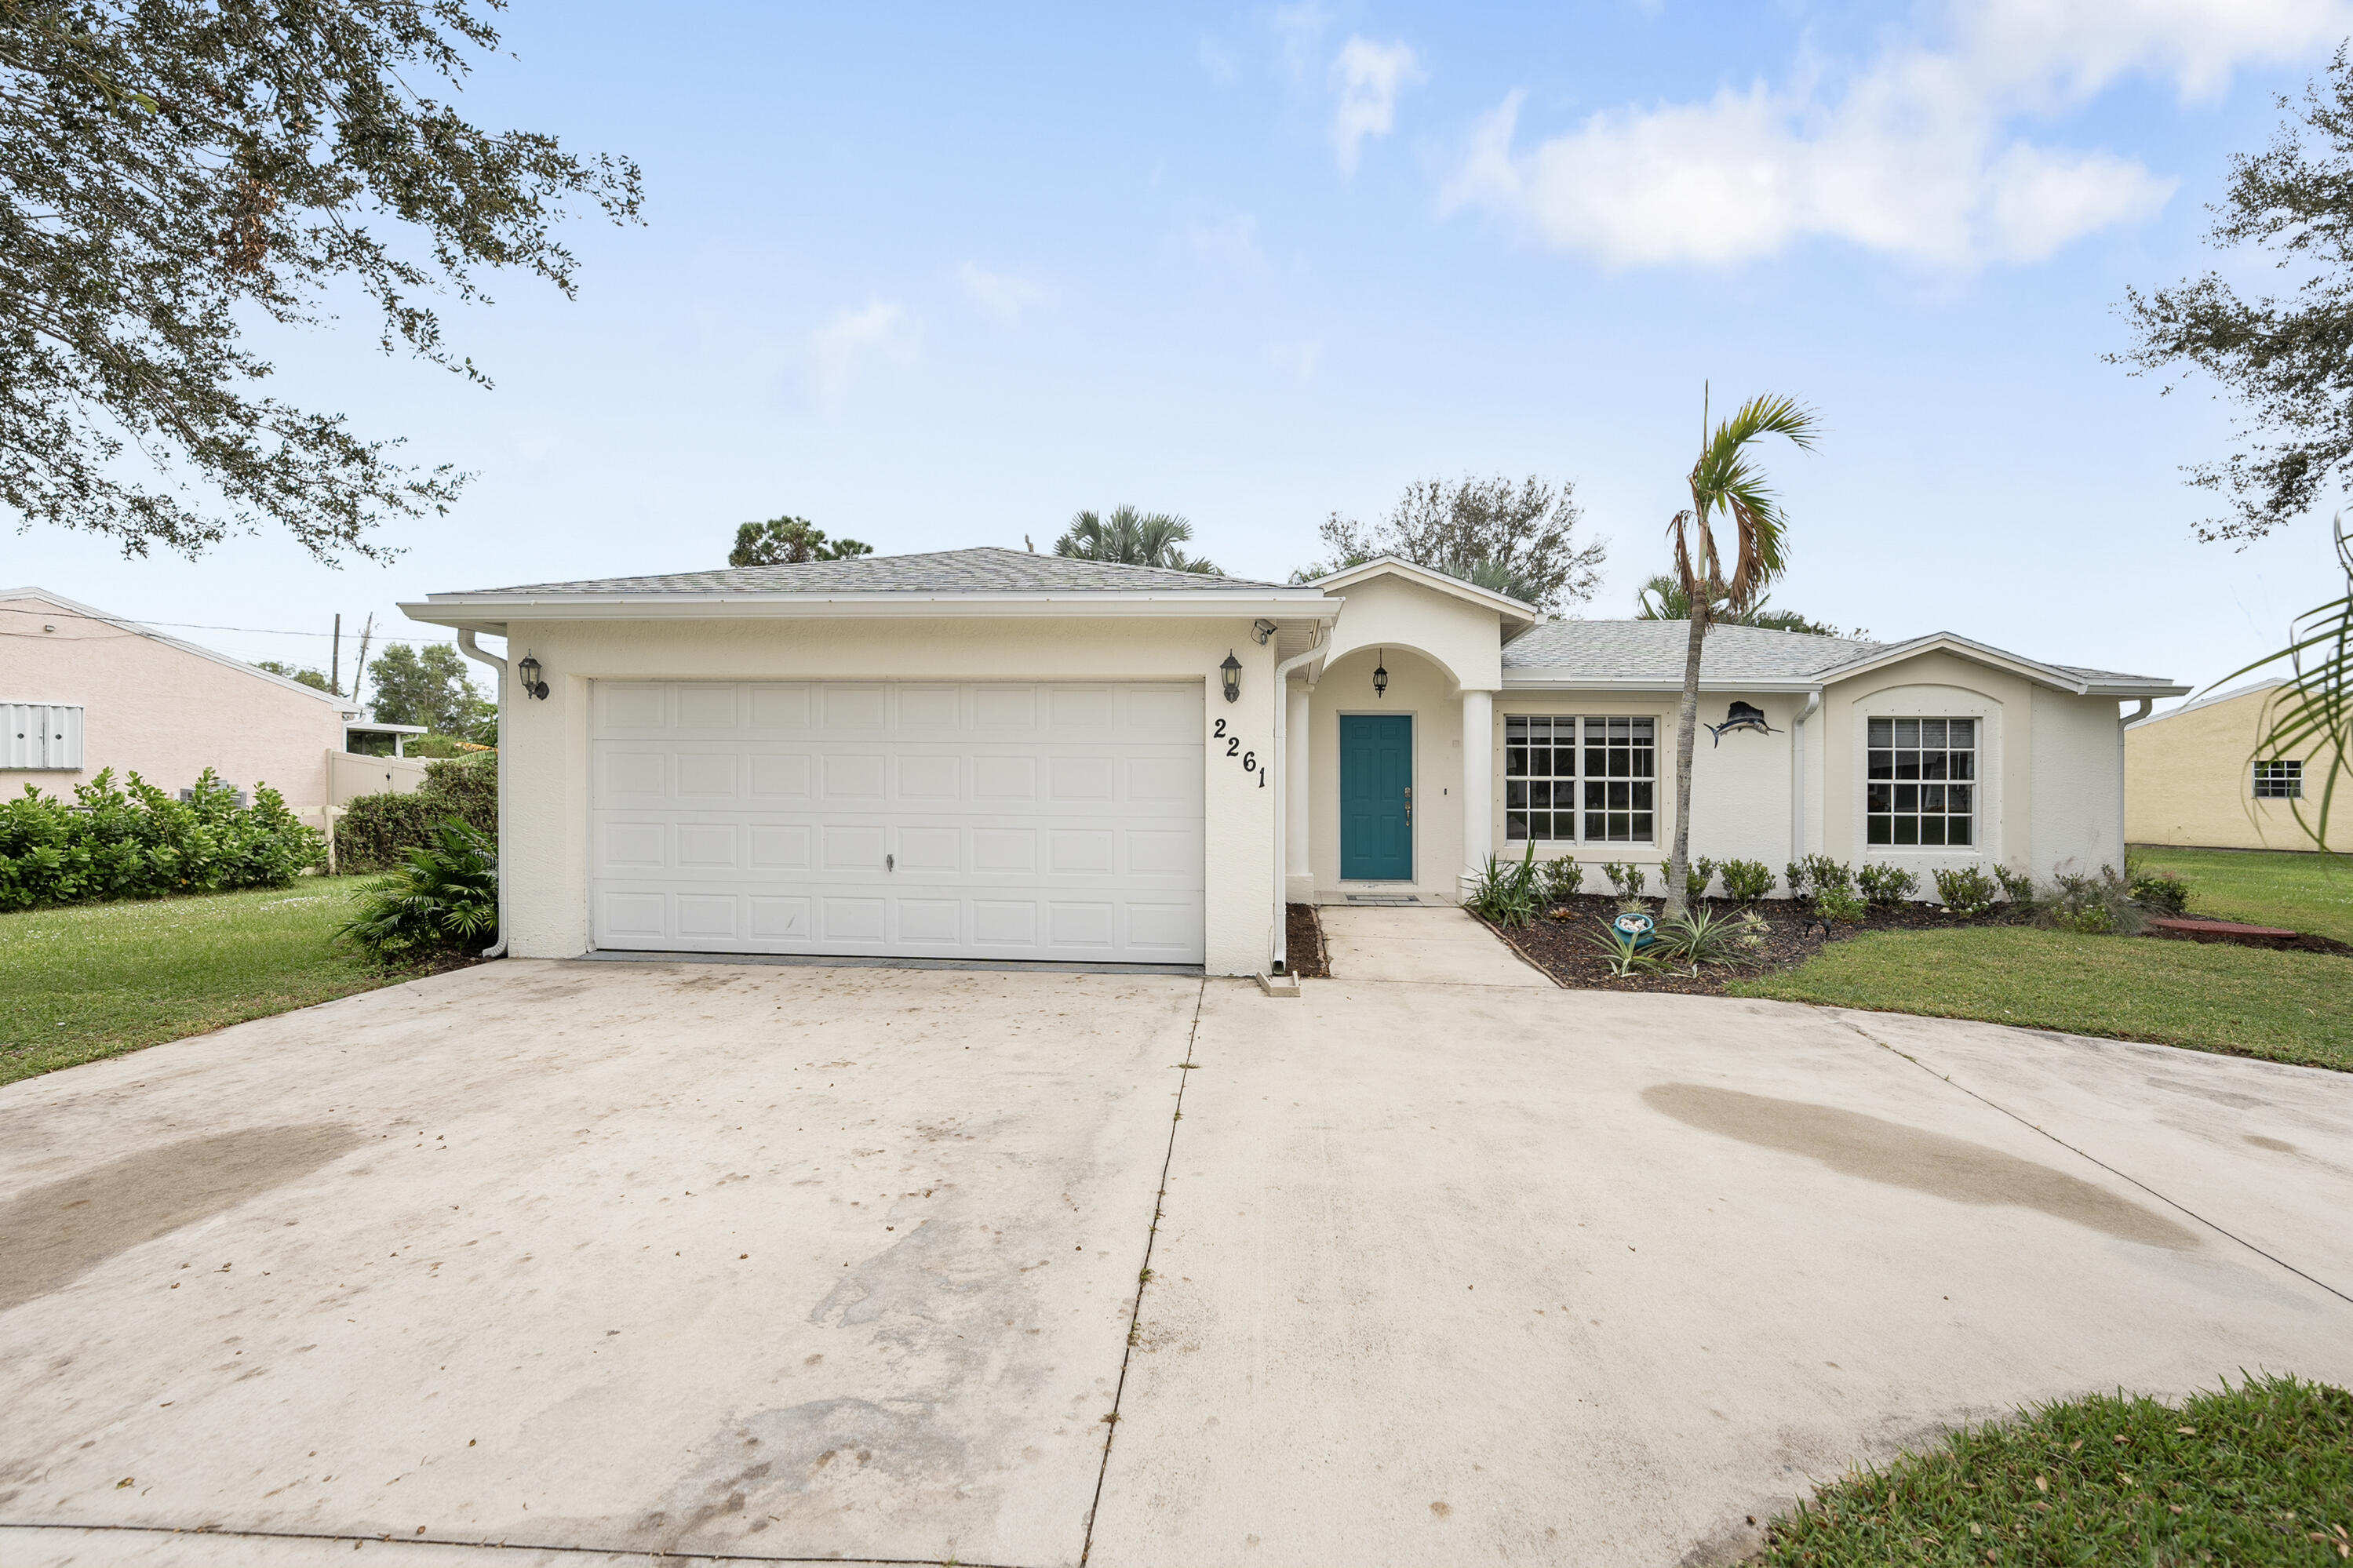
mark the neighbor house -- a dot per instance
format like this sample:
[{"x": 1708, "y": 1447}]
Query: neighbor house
[
  {"x": 2202, "y": 775},
  {"x": 81, "y": 691},
  {"x": 985, "y": 753}
]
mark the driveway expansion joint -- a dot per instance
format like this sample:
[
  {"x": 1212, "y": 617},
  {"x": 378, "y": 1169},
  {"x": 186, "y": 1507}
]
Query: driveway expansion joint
[
  {"x": 2041, "y": 1130},
  {"x": 651, "y": 1554}
]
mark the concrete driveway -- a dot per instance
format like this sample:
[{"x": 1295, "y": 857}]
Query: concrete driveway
[{"x": 793, "y": 1262}]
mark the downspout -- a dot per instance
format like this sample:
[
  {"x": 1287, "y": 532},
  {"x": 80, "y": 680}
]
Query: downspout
[
  {"x": 467, "y": 645},
  {"x": 2125, "y": 722},
  {"x": 1798, "y": 774},
  {"x": 1279, "y": 962}
]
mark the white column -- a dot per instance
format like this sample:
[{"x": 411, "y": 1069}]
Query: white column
[
  {"x": 1477, "y": 780},
  {"x": 1299, "y": 870}
]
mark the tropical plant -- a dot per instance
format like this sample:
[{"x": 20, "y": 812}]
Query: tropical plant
[
  {"x": 1724, "y": 482},
  {"x": 445, "y": 894},
  {"x": 1745, "y": 881},
  {"x": 1705, "y": 936},
  {"x": 1662, "y": 599},
  {"x": 1516, "y": 538},
  {"x": 1887, "y": 886},
  {"x": 2310, "y": 713},
  {"x": 2095, "y": 904},
  {"x": 135, "y": 841},
  {"x": 1964, "y": 891},
  {"x": 1562, "y": 878},
  {"x": 788, "y": 541},
  {"x": 1843, "y": 905},
  {"x": 182, "y": 186},
  {"x": 1624, "y": 953},
  {"x": 2157, "y": 890},
  {"x": 1810, "y": 876},
  {"x": 2016, "y": 885},
  {"x": 1132, "y": 538},
  {"x": 1626, "y": 879},
  {"x": 1505, "y": 892}
]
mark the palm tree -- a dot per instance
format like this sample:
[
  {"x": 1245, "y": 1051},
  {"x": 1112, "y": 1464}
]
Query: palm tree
[
  {"x": 1662, "y": 599},
  {"x": 1724, "y": 481},
  {"x": 1132, "y": 538}
]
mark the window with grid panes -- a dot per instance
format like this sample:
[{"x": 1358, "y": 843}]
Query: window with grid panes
[
  {"x": 2279, "y": 780},
  {"x": 1564, "y": 773},
  {"x": 1922, "y": 782}
]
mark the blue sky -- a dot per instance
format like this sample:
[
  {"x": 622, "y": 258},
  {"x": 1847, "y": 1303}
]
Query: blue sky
[{"x": 934, "y": 277}]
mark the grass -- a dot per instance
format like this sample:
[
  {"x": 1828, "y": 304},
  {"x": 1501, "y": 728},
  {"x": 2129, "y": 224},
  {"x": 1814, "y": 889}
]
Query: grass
[
  {"x": 98, "y": 980},
  {"x": 2258, "y": 1474},
  {"x": 2263, "y": 887},
  {"x": 2281, "y": 1006}
]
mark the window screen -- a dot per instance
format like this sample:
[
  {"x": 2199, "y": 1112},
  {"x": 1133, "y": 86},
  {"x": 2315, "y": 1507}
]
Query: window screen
[
  {"x": 1592, "y": 778},
  {"x": 2279, "y": 780},
  {"x": 1922, "y": 786}
]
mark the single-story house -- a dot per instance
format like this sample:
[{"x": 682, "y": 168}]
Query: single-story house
[
  {"x": 2200, "y": 775},
  {"x": 81, "y": 691},
  {"x": 987, "y": 754}
]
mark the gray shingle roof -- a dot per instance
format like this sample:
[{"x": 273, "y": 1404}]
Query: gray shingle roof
[
  {"x": 1655, "y": 650},
  {"x": 987, "y": 569}
]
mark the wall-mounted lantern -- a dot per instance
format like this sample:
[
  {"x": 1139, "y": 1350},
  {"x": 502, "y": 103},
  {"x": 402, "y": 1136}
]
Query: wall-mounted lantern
[
  {"x": 532, "y": 686},
  {"x": 1232, "y": 670},
  {"x": 1381, "y": 675}
]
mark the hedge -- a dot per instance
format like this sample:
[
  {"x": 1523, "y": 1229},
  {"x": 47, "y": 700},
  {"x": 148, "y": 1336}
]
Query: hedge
[
  {"x": 376, "y": 831},
  {"x": 137, "y": 842}
]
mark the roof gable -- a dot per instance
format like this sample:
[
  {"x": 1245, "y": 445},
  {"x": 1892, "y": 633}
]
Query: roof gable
[
  {"x": 92, "y": 613},
  {"x": 1514, "y": 612}
]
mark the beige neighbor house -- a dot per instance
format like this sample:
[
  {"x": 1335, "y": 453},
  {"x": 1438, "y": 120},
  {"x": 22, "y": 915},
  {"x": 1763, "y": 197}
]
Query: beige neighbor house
[
  {"x": 81, "y": 691},
  {"x": 2199, "y": 776},
  {"x": 988, "y": 755}
]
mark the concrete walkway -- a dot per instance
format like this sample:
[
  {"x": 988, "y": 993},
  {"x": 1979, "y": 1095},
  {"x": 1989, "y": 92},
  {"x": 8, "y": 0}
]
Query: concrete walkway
[{"x": 1446, "y": 1265}]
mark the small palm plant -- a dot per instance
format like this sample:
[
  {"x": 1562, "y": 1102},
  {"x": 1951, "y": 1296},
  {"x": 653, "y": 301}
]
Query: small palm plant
[
  {"x": 1506, "y": 890},
  {"x": 1132, "y": 538},
  {"x": 447, "y": 895}
]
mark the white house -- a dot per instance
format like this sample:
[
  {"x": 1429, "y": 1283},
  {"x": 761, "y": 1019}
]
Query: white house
[{"x": 987, "y": 754}]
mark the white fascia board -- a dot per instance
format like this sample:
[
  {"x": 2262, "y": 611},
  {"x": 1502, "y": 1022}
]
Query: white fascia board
[
  {"x": 1437, "y": 582},
  {"x": 2134, "y": 688},
  {"x": 1569, "y": 681},
  {"x": 92, "y": 613},
  {"x": 489, "y": 613}
]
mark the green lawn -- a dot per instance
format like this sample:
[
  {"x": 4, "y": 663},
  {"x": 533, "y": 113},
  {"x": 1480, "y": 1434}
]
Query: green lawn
[
  {"x": 98, "y": 980},
  {"x": 2258, "y": 1474},
  {"x": 2265, "y": 886},
  {"x": 2282, "y": 1006}
]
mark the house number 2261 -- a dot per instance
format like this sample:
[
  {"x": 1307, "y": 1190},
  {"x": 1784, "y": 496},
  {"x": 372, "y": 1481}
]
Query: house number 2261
[{"x": 1234, "y": 749}]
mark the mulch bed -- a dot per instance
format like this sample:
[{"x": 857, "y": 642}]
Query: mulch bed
[
  {"x": 2252, "y": 936},
  {"x": 1564, "y": 948},
  {"x": 1304, "y": 942}
]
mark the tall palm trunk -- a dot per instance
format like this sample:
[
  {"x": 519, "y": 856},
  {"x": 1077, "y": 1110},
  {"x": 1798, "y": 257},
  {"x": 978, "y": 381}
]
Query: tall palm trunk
[{"x": 1686, "y": 735}]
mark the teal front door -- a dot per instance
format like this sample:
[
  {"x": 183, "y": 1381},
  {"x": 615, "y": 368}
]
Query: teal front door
[{"x": 1376, "y": 797}]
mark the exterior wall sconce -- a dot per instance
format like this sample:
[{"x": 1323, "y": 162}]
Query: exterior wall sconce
[
  {"x": 1232, "y": 670},
  {"x": 1381, "y": 675},
  {"x": 532, "y": 686}
]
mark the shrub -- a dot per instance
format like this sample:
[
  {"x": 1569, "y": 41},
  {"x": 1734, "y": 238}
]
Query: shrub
[
  {"x": 1843, "y": 905},
  {"x": 1887, "y": 885},
  {"x": 445, "y": 894},
  {"x": 1701, "y": 937},
  {"x": 376, "y": 831},
  {"x": 1506, "y": 890},
  {"x": 1626, "y": 879},
  {"x": 2159, "y": 892},
  {"x": 137, "y": 842},
  {"x": 1746, "y": 881},
  {"x": 2094, "y": 905},
  {"x": 1696, "y": 877},
  {"x": 1965, "y": 890},
  {"x": 1562, "y": 878},
  {"x": 1815, "y": 875},
  {"x": 2016, "y": 885}
]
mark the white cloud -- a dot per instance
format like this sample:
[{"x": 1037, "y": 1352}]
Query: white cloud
[
  {"x": 1229, "y": 242},
  {"x": 1297, "y": 31},
  {"x": 1913, "y": 156},
  {"x": 1216, "y": 61},
  {"x": 1005, "y": 295},
  {"x": 1368, "y": 76},
  {"x": 853, "y": 337}
]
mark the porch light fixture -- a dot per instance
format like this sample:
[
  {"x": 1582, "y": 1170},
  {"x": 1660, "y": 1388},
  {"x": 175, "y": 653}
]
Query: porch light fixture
[
  {"x": 532, "y": 686},
  {"x": 1232, "y": 670},
  {"x": 1381, "y": 675}
]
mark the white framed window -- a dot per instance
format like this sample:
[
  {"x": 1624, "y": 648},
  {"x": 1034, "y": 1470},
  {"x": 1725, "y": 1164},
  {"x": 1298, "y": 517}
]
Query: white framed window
[
  {"x": 1921, "y": 782},
  {"x": 1590, "y": 780},
  {"x": 2279, "y": 780},
  {"x": 36, "y": 736}
]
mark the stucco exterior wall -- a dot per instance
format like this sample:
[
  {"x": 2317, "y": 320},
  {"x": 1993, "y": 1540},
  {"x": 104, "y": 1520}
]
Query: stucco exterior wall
[
  {"x": 2078, "y": 820},
  {"x": 163, "y": 712},
  {"x": 2189, "y": 780},
  {"x": 1416, "y": 687},
  {"x": 1932, "y": 686},
  {"x": 544, "y": 763},
  {"x": 1464, "y": 639}
]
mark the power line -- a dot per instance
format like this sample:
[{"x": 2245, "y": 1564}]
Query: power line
[{"x": 127, "y": 624}]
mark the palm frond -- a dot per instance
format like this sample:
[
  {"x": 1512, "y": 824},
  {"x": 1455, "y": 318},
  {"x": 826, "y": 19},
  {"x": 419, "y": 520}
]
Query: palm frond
[{"x": 2310, "y": 717}]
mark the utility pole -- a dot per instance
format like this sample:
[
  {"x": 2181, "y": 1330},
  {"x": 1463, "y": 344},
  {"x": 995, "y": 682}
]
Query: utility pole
[
  {"x": 335, "y": 679},
  {"x": 359, "y": 666}
]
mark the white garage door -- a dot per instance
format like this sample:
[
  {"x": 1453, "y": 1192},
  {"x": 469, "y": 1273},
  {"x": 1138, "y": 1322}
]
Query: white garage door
[{"x": 1045, "y": 821}]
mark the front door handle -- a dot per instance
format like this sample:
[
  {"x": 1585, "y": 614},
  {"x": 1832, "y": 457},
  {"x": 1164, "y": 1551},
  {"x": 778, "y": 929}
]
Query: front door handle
[{"x": 1408, "y": 803}]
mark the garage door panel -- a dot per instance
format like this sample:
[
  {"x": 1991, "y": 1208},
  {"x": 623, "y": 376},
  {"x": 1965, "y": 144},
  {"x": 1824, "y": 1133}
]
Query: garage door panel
[{"x": 1009, "y": 820}]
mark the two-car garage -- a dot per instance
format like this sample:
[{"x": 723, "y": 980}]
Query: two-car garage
[{"x": 978, "y": 820}]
